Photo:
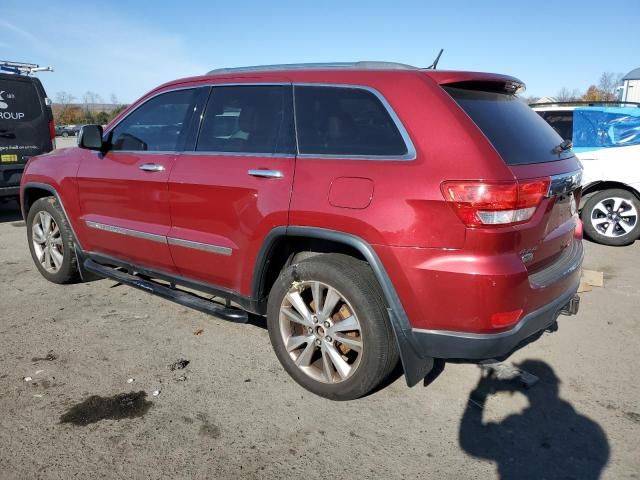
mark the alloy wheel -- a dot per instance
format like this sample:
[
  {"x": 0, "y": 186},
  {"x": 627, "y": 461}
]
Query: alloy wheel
[
  {"x": 614, "y": 217},
  {"x": 47, "y": 242},
  {"x": 321, "y": 331}
]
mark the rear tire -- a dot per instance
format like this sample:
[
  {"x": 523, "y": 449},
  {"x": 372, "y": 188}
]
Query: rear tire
[
  {"x": 329, "y": 327},
  {"x": 51, "y": 242},
  {"x": 611, "y": 217}
]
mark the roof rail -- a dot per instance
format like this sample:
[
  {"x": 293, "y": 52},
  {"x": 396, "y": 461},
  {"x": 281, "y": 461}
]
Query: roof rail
[
  {"x": 585, "y": 103},
  {"x": 20, "y": 68},
  {"x": 362, "y": 65}
]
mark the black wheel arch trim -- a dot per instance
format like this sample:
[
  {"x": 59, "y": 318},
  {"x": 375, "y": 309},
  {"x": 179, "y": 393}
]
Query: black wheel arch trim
[
  {"x": 416, "y": 364},
  {"x": 54, "y": 192}
]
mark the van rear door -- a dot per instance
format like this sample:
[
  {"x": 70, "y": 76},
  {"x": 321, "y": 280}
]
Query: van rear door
[{"x": 25, "y": 124}]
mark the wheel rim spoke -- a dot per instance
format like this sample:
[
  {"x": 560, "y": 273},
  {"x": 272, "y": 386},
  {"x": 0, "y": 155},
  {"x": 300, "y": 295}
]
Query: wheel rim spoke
[
  {"x": 298, "y": 303},
  {"x": 56, "y": 256},
  {"x": 351, "y": 342},
  {"x": 616, "y": 204},
  {"x": 292, "y": 315},
  {"x": 38, "y": 234},
  {"x": 316, "y": 291},
  {"x": 342, "y": 367},
  {"x": 610, "y": 229},
  {"x": 47, "y": 257},
  {"x": 296, "y": 342},
  {"x": 347, "y": 325},
  {"x": 625, "y": 226},
  {"x": 304, "y": 359},
  {"x": 330, "y": 302},
  {"x": 327, "y": 365}
]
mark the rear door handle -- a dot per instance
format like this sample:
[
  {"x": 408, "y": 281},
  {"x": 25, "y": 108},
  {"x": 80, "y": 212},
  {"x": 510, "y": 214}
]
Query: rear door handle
[
  {"x": 266, "y": 173},
  {"x": 151, "y": 167}
]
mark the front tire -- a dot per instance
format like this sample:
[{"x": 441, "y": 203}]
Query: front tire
[
  {"x": 329, "y": 327},
  {"x": 611, "y": 217},
  {"x": 51, "y": 242}
]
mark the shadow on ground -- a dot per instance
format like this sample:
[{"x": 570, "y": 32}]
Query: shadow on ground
[
  {"x": 10, "y": 212},
  {"x": 548, "y": 439}
]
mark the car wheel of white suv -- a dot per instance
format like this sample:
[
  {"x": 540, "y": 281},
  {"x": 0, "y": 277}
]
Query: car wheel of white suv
[{"x": 611, "y": 217}]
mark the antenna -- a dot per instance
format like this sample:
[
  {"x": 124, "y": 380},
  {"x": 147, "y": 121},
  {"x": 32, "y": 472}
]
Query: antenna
[
  {"x": 435, "y": 62},
  {"x": 20, "y": 68}
]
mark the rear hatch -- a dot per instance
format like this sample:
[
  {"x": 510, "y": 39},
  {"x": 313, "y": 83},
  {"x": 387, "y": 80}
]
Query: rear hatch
[
  {"x": 546, "y": 172},
  {"x": 26, "y": 125}
]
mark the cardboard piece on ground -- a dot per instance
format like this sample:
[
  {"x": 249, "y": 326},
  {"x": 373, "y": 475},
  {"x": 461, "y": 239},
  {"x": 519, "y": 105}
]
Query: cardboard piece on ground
[
  {"x": 593, "y": 278},
  {"x": 584, "y": 287}
]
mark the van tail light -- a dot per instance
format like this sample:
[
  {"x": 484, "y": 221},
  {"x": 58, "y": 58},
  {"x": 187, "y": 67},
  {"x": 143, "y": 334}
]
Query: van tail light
[
  {"x": 52, "y": 133},
  {"x": 481, "y": 204}
]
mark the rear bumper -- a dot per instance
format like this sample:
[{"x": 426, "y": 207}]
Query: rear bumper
[{"x": 478, "y": 346}]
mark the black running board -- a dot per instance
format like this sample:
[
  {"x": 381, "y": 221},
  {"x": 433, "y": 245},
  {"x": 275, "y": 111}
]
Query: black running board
[{"x": 179, "y": 296}]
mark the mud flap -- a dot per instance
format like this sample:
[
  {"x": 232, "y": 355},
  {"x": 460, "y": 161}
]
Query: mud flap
[{"x": 416, "y": 367}]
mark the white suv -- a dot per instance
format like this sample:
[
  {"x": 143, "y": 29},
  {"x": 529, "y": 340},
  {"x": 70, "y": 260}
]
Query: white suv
[{"x": 606, "y": 139}]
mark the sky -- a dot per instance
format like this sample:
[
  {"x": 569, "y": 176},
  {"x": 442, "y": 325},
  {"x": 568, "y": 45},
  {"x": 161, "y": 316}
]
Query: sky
[{"x": 127, "y": 47}]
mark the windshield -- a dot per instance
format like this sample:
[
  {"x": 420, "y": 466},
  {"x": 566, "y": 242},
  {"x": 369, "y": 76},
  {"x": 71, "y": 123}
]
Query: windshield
[{"x": 518, "y": 133}]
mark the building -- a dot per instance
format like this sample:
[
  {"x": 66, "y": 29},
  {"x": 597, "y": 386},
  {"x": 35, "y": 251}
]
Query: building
[{"x": 630, "y": 90}]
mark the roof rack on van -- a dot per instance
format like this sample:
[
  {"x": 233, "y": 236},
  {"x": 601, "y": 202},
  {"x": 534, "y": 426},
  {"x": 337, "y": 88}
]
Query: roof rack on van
[
  {"x": 362, "y": 65},
  {"x": 580, "y": 103},
  {"x": 20, "y": 68}
]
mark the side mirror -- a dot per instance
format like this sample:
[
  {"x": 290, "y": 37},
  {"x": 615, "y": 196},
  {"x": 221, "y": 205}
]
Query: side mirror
[{"x": 90, "y": 137}]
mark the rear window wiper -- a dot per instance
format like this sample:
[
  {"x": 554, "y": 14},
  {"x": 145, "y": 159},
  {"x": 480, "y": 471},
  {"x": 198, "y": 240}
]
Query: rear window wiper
[{"x": 565, "y": 145}]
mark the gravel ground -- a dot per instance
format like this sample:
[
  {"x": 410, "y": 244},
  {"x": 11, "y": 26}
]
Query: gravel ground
[{"x": 96, "y": 352}]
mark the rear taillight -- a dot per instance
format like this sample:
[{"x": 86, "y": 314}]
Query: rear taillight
[
  {"x": 52, "y": 133},
  {"x": 500, "y": 203}
]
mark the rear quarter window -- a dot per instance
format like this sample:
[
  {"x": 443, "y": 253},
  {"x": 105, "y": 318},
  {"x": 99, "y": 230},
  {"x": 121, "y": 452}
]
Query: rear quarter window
[
  {"x": 518, "y": 133},
  {"x": 344, "y": 121}
]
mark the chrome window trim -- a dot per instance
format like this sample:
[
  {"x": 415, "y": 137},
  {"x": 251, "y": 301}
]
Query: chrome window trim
[
  {"x": 126, "y": 231},
  {"x": 411, "y": 150},
  {"x": 206, "y": 247},
  {"x": 410, "y": 155},
  {"x": 240, "y": 154}
]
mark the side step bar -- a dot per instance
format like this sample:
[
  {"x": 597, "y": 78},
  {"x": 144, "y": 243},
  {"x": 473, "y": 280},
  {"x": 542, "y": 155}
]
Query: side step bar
[{"x": 179, "y": 296}]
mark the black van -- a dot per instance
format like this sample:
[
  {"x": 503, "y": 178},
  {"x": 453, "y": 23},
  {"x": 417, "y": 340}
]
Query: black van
[{"x": 26, "y": 127}]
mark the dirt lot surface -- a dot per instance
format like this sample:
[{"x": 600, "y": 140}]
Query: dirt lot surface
[{"x": 96, "y": 352}]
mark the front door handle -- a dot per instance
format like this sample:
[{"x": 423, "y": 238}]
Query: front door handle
[
  {"x": 265, "y": 173},
  {"x": 151, "y": 167}
]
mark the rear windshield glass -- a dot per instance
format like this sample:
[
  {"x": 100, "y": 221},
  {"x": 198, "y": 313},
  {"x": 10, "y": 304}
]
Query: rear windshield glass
[
  {"x": 518, "y": 134},
  {"x": 19, "y": 101}
]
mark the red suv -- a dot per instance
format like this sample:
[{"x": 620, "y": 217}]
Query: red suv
[{"x": 372, "y": 211}]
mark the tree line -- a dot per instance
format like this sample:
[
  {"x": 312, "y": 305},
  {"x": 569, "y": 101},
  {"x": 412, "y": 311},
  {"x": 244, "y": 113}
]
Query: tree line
[
  {"x": 603, "y": 91},
  {"x": 90, "y": 109}
]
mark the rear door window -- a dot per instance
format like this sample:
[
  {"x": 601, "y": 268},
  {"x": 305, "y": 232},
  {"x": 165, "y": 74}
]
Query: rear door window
[
  {"x": 518, "y": 133},
  {"x": 248, "y": 119},
  {"x": 19, "y": 101},
  {"x": 158, "y": 125},
  {"x": 344, "y": 121}
]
